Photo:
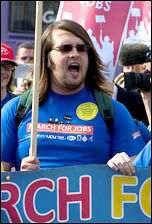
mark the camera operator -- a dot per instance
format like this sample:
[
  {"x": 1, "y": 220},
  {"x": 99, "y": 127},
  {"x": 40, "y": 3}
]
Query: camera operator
[{"x": 135, "y": 60}]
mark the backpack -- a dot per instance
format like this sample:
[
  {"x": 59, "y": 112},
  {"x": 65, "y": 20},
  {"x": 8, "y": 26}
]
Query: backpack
[{"x": 103, "y": 101}]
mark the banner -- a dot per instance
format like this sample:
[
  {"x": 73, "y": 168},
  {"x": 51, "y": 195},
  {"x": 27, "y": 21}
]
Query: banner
[
  {"x": 139, "y": 25},
  {"x": 106, "y": 22},
  {"x": 76, "y": 194}
]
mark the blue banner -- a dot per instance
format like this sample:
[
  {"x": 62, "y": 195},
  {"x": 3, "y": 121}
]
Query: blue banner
[{"x": 76, "y": 194}]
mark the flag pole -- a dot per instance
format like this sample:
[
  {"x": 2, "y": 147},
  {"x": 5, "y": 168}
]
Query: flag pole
[{"x": 36, "y": 75}]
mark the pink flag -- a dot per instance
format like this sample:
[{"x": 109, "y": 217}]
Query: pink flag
[{"x": 139, "y": 25}]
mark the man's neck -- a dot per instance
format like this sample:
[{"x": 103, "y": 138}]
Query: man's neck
[
  {"x": 3, "y": 93},
  {"x": 65, "y": 91}
]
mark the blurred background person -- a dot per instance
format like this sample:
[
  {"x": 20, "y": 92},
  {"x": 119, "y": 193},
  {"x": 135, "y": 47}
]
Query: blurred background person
[
  {"x": 25, "y": 53},
  {"x": 8, "y": 65},
  {"x": 143, "y": 158},
  {"x": 135, "y": 58},
  {"x": 25, "y": 59}
]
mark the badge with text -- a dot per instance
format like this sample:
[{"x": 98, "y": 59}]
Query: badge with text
[{"x": 87, "y": 111}]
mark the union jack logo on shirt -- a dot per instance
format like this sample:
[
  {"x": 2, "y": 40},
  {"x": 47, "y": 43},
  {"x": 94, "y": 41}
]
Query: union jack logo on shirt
[{"x": 136, "y": 134}]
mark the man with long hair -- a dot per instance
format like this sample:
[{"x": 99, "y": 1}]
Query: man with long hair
[{"x": 71, "y": 130}]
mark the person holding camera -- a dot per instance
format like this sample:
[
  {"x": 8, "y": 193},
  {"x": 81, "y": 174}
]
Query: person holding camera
[
  {"x": 142, "y": 55},
  {"x": 135, "y": 60}
]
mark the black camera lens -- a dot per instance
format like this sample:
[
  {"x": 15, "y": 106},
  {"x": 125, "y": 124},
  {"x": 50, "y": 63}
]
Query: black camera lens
[{"x": 140, "y": 81}]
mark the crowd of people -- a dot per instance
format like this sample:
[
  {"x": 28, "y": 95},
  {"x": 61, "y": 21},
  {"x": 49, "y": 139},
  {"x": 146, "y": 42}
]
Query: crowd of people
[
  {"x": 25, "y": 55},
  {"x": 70, "y": 70}
]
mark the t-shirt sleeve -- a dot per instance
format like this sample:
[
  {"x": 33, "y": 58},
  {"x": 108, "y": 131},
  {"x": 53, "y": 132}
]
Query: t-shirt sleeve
[
  {"x": 144, "y": 157},
  {"x": 144, "y": 131},
  {"x": 126, "y": 136},
  {"x": 9, "y": 131}
]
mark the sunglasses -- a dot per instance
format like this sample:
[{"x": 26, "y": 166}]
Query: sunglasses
[
  {"x": 26, "y": 57},
  {"x": 8, "y": 67},
  {"x": 66, "y": 48}
]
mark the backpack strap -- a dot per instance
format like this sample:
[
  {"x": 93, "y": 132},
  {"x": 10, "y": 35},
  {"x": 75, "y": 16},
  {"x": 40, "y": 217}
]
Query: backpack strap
[
  {"x": 105, "y": 107},
  {"x": 24, "y": 105}
]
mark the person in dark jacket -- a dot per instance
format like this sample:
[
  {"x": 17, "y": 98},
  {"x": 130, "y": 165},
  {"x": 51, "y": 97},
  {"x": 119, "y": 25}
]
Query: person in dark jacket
[{"x": 134, "y": 58}]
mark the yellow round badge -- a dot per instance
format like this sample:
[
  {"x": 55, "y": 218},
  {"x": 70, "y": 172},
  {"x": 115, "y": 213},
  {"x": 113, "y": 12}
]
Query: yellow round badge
[{"x": 87, "y": 111}]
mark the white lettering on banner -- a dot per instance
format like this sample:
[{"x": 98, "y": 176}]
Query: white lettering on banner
[
  {"x": 64, "y": 129},
  {"x": 98, "y": 4}
]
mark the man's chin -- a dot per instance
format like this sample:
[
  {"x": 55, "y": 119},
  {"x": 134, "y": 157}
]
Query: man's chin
[
  {"x": 71, "y": 88},
  {"x": 74, "y": 85}
]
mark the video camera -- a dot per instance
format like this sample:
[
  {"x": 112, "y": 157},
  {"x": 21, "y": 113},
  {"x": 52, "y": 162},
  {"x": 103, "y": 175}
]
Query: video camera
[{"x": 141, "y": 81}]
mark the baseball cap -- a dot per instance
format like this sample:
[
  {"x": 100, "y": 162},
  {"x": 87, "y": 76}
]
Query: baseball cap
[{"x": 7, "y": 54}]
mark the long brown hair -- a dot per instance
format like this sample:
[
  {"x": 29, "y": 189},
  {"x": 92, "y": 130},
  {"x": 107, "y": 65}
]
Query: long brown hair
[
  {"x": 94, "y": 77},
  {"x": 11, "y": 86}
]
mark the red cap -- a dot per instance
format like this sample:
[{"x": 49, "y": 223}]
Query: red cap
[{"x": 7, "y": 54}]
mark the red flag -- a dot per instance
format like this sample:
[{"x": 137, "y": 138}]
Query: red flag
[{"x": 105, "y": 23}]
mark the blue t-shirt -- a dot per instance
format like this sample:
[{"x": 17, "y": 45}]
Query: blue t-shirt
[
  {"x": 144, "y": 157},
  {"x": 6, "y": 99},
  {"x": 76, "y": 134},
  {"x": 146, "y": 134}
]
